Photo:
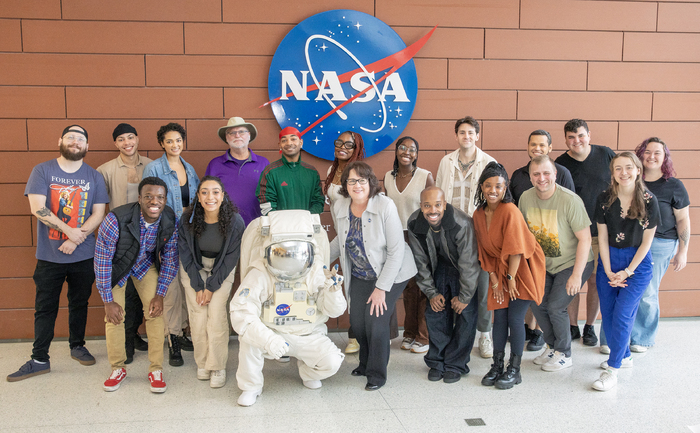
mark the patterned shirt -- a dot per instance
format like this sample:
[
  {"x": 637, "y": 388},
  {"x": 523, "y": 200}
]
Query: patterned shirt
[
  {"x": 355, "y": 247},
  {"x": 107, "y": 238}
]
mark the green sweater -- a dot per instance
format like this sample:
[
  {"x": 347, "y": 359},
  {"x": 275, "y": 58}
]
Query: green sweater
[{"x": 290, "y": 185}]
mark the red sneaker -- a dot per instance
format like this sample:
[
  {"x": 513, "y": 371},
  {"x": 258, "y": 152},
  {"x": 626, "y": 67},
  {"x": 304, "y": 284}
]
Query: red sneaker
[
  {"x": 115, "y": 380},
  {"x": 157, "y": 382}
]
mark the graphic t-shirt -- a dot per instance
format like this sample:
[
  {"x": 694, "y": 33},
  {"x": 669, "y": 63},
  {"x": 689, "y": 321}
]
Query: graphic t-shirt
[
  {"x": 70, "y": 196},
  {"x": 554, "y": 223}
]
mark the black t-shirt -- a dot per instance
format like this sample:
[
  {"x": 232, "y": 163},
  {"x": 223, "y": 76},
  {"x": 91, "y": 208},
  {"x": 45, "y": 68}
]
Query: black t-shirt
[
  {"x": 211, "y": 242},
  {"x": 625, "y": 232},
  {"x": 670, "y": 194},
  {"x": 520, "y": 181},
  {"x": 591, "y": 177},
  {"x": 185, "y": 194}
]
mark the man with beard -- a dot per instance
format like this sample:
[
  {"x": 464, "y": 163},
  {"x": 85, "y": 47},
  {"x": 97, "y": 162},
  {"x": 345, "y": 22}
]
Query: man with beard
[{"x": 64, "y": 250}]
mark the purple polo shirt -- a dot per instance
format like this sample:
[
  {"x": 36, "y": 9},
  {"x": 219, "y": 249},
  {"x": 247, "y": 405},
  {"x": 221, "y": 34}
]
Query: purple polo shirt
[{"x": 240, "y": 178}]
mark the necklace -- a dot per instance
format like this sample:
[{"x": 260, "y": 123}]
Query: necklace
[
  {"x": 403, "y": 176},
  {"x": 435, "y": 231},
  {"x": 465, "y": 166}
]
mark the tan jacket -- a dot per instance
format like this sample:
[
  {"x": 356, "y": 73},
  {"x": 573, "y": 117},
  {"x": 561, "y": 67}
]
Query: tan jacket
[{"x": 116, "y": 174}]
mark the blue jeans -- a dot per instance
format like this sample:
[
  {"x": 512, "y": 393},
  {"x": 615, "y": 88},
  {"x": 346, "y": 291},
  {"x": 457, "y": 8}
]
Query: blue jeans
[{"x": 647, "y": 322}]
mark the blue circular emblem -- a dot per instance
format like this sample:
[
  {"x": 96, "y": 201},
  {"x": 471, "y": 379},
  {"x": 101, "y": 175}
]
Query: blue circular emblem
[
  {"x": 283, "y": 309},
  {"x": 343, "y": 70}
]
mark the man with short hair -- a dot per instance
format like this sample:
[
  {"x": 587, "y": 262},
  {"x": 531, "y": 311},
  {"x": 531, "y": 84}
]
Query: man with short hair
[
  {"x": 443, "y": 243},
  {"x": 589, "y": 166},
  {"x": 558, "y": 219},
  {"x": 458, "y": 177},
  {"x": 137, "y": 241},
  {"x": 290, "y": 183},
  {"x": 68, "y": 199},
  {"x": 239, "y": 168},
  {"x": 122, "y": 176}
]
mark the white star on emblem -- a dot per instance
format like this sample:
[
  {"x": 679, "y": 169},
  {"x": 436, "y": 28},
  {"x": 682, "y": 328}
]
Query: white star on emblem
[
  {"x": 323, "y": 47},
  {"x": 358, "y": 25},
  {"x": 316, "y": 140},
  {"x": 399, "y": 110}
]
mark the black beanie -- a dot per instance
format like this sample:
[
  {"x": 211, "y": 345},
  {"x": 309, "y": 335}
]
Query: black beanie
[{"x": 123, "y": 128}]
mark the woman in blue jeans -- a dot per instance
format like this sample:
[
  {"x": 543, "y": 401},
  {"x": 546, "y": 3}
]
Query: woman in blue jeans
[
  {"x": 627, "y": 215},
  {"x": 670, "y": 244}
]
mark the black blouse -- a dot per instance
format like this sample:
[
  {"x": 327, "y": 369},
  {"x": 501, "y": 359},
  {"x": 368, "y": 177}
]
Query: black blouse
[{"x": 626, "y": 232}]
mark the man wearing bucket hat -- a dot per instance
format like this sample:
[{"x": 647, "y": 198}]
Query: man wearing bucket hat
[{"x": 239, "y": 168}]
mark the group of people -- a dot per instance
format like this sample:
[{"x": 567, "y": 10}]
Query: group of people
[{"x": 470, "y": 250}]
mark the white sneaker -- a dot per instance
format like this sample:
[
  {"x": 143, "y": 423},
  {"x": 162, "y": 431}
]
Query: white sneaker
[
  {"x": 545, "y": 356},
  {"x": 606, "y": 381},
  {"x": 247, "y": 398},
  {"x": 417, "y": 347},
  {"x": 203, "y": 374},
  {"x": 407, "y": 343},
  {"x": 217, "y": 379},
  {"x": 313, "y": 384},
  {"x": 626, "y": 363},
  {"x": 485, "y": 346},
  {"x": 638, "y": 349},
  {"x": 283, "y": 360},
  {"x": 605, "y": 349},
  {"x": 557, "y": 362}
]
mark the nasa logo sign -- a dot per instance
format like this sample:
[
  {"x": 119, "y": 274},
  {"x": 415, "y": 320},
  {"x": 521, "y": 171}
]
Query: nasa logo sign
[
  {"x": 282, "y": 309},
  {"x": 344, "y": 70}
]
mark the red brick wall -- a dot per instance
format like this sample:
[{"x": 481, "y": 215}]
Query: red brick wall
[{"x": 630, "y": 68}]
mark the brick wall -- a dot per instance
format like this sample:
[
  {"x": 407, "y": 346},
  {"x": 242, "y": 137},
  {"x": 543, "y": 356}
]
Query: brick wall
[{"x": 630, "y": 68}]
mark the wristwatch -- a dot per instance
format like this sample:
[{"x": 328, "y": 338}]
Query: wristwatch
[
  {"x": 628, "y": 272},
  {"x": 509, "y": 277}
]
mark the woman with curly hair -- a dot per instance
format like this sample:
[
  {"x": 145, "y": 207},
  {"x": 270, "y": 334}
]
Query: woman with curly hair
[
  {"x": 627, "y": 215},
  {"x": 514, "y": 260},
  {"x": 210, "y": 243}
]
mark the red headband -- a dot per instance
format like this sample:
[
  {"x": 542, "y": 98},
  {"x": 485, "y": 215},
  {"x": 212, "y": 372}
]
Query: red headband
[{"x": 290, "y": 130}]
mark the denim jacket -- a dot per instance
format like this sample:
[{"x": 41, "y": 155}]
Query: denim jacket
[{"x": 161, "y": 168}]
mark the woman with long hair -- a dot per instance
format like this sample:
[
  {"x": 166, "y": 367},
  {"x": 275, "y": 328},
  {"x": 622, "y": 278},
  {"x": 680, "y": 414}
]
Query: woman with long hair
[
  {"x": 627, "y": 215},
  {"x": 210, "y": 243},
  {"x": 514, "y": 260}
]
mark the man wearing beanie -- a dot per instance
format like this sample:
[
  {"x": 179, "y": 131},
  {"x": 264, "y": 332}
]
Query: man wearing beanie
[
  {"x": 122, "y": 177},
  {"x": 290, "y": 183},
  {"x": 68, "y": 199}
]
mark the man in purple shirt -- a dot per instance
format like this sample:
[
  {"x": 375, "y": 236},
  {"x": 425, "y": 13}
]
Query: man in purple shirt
[{"x": 239, "y": 168}]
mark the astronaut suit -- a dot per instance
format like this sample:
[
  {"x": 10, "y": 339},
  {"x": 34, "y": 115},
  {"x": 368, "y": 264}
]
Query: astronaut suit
[{"x": 285, "y": 298}]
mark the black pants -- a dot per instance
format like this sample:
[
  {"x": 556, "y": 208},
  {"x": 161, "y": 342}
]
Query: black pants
[
  {"x": 49, "y": 278},
  {"x": 511, "y": 318},
  {"x": 372, "y": 332},
  {"x": 133, "y": 310}
]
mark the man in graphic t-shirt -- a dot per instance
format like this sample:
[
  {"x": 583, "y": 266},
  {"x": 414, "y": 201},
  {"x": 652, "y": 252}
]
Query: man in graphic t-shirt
[{"x": 65, "y": 246}]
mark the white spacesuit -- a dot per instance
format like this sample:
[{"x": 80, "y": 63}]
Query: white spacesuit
[{"x": 285, "y": 298}]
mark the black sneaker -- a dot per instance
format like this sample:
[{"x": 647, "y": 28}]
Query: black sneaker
[
  {"x": 129, "y": 346},
  {"x": 575, "y": 332},
  {"x": 589, "y": 337},
  {"x": 451, "y": 377},
  {"x": 536, "y": 342},
  {"x": 185, "y": 343},
  {"x": 29, "y": 369},
  {"x": 140, "y": 344},
  {"x": 82, "y": 355},
  {"x": 434, "y": 375},
  {"x": 529, "y": 333},
  {"x": 175, "y": 355}
]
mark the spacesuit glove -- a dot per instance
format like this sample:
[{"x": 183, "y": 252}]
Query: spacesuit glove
[
  {"x": 333, "y": 281},
  {"x": 277, "y": 347}
]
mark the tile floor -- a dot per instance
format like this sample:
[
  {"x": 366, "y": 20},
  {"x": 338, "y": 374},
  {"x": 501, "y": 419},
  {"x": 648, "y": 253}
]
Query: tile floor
[{"x": 660, "y": 394}]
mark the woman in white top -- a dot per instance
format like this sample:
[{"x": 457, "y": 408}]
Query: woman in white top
[{"x": 403, "y": 185}]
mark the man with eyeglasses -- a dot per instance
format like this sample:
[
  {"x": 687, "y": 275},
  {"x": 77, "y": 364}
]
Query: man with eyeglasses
[
  {"x": 65, "y": 246},
  {"x": 290, "y": 183},
  {"x": 239, "y": 168}
]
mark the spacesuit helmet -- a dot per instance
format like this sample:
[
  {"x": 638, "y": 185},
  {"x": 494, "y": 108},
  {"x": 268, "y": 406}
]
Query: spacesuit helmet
[{"x": 290, "y": 259}]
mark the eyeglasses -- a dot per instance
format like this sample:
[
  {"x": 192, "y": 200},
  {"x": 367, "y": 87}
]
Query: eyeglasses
[
  {"x": 410, "y": 150},
  {"x": 361, "y": 181},
  {"x": 237, "y": 133},
  {"x": 77, "y": 138},
  {"x": 345, "y": 144}
]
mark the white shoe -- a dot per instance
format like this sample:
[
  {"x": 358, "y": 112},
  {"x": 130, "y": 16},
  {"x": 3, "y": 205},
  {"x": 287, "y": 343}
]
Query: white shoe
[
  {"x": 626, "y": 363},
  {"x": 638, "y": 349},
  {"x": 247, "y": 398},
  {"x": 217, "y": 379},
  {"x": 417, "y": 347},
  {"x": 606, "y": 381},
  {"x": 406, "y": 343},
  {"x": 203, "y": 374},
  {"x": 485, "y": 346},
  {"x": 283, "y": 360},
  {"x": 353, "y": 346},
  {"x": 545, "y": 356},
  {"x": 605, "y": 349},
  {"x": 557, "y": 362},
  {"x": 313, "y": 384}
]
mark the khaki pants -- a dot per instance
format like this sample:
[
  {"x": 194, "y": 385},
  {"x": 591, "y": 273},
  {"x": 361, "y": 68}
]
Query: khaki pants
[
  {"x": 174, "y": 309},
  {"x": 209, "y": 323},
  {"x": 116, "y": 352}
]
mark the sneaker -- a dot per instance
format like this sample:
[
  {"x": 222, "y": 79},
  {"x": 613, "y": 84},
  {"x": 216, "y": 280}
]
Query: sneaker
[
  {"x": 29, "y": 369},
  {"x": 157, "y": 382},
  {"x": 434, "y": 374},
  {"x": 636, "y": 348},
  {"x": 81, "y": 354},
  {"x": 185, "y": 343},
  {"x": 536, "y": 342},
  {"x": 557, "y": 362},
  {"x": 140, "y": 344},
  {"x": 217, "y": 378},
  {"x": 626, "y": 363},
  {"x": 589, "y": 337},
  {"x": 115, "y": 380},
  {"x": 605, "y": 349},
  {"x": 353, "y": 346},
  {"x": 606, "y": 381},
  {"x": 575, "y": 332},
  {"x": 485, "y": 346},
  {"x": 406, "y": 343},
  {"x": 203, "y": 374},
  {"x": 283, "y": 360},
  {"x": 545, "y": 356},
  {"x": 417, "y": 347},
  {"x": 451, "y": 377},
  {"x": 247, "y": 398},
  {"x": 313, "y": 384}
]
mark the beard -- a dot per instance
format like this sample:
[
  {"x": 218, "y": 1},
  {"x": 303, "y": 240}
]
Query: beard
[{"x": 70, "y": 155}]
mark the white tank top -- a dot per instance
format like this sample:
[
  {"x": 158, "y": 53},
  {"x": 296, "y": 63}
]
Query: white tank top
[{"x": 407, "y": 201}]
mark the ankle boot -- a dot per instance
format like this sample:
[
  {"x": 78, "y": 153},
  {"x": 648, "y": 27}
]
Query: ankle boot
[
  {"x": 496, "y": 369},
  {"x": 511, "y": 376},
  {"x": 175, "y": 355}
]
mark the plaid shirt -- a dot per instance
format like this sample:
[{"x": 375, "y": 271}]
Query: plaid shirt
[{"x": 107, "y": 238}]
